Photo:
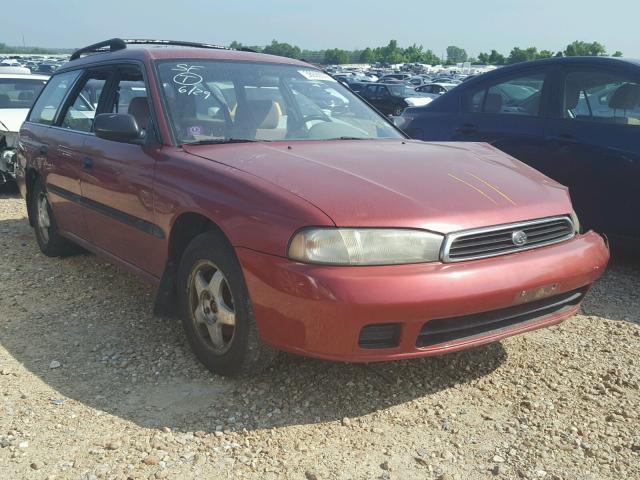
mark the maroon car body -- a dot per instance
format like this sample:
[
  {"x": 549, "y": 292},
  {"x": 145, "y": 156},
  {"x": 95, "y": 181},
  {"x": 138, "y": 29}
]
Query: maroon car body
[{"x": 141, "y": 204}]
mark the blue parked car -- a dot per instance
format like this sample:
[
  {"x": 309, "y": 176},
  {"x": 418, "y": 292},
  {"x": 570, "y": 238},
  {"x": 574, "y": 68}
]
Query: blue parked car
[{"x": 576, "y": 119}]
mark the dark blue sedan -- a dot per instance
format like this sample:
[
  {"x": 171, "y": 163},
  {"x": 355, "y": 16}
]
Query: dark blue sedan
[{"x": 576, "y": 119}]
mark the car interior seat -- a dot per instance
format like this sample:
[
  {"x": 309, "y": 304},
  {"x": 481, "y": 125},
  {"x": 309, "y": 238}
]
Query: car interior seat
[
  {"x": 26, "y": 95},
  {"x": 139, "y": 108},
  {"x": 259, "y": 119},
  {"x": 5, "y": 101},
  {"x": 493, "y": 103},
  {"x": 625, "y": 98},
  {"x": 571, "y": 99}
]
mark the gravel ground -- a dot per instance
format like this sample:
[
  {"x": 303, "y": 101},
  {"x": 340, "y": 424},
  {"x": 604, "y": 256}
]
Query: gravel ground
[{"x": 93, "y": 386}]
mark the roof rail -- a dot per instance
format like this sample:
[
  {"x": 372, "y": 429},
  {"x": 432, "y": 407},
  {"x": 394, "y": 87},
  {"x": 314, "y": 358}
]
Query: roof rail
[
  {"x": 119, "y": 44},
  {"x": 179, "y": 43},
  {"x": 112, "y": 45}
]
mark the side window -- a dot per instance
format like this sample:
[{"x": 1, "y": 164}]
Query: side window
[
  {"x": 131, "y": 96},
  {"x": 516, "y": 96},
  {"x": 80, "y": 114},
  {"x": 54, "y": 93},
  {"x": 602, "y": 97}
]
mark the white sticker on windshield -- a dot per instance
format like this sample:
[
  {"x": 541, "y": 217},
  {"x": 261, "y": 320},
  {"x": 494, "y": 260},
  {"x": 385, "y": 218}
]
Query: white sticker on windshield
[{"x": 316, "y": 75}]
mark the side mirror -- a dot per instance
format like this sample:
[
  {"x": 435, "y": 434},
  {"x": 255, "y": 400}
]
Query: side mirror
[{"x": 118, "y": 127}]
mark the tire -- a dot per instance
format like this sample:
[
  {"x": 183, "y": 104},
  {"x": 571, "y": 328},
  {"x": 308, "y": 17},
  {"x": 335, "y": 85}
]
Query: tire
[
  {"x": 397, "y": 111},
  {"x": 211, "y": 289},
  {"x": 51, "y": 243}
]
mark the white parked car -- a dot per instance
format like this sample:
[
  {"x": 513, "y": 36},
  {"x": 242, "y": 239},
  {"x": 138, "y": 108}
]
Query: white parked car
[{"x": 18, "y": 91}]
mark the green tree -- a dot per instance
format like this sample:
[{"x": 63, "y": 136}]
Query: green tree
[
  {"x": 456, "y": 54},
  {"x": 545, "y": 54},
  {"x": 585, "y": 49},
  {"x": 430, "y": 58},
  {"x": 336, "y": 56},
  {"x": 392, "y": 53},
  {"x": 518, "y": 55},
  {"x": 617, "y": 53},
  {"x": 493, "y": 58},
  {"x": 282, "y": 49},
  {"x": 414, "y": 53},
  {"x": 367, "y": 56}
]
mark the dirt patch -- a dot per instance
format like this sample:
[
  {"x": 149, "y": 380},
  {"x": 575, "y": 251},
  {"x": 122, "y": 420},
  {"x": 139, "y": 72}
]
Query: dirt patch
[{"x": 93, "y": 386}]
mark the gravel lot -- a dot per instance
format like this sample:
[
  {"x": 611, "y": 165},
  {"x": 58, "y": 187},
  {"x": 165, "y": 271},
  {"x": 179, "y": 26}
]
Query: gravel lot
[{"x": 93, "y": 386}]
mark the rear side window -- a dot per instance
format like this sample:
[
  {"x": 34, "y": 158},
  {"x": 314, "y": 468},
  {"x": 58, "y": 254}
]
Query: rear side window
[
  {"x": 80, "y": 114},
  {"x": 603, "y": 97},
  {"x": 49, "y": 102},
  {"x": 518, "y": 95}
]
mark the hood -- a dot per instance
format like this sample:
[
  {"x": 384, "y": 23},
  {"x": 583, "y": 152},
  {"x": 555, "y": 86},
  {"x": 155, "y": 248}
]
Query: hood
[
  {"x": 11, "y": 119},
  {"x": 401, "y": 183}
]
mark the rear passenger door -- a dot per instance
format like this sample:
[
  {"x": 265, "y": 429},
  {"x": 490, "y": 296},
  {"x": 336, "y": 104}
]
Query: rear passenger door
[
  {"x": 53, "y": 150},
  {"x": 594, "y": 141},
  {"x": 509, "y": 113},
  {"x": 117, "y": 180}
]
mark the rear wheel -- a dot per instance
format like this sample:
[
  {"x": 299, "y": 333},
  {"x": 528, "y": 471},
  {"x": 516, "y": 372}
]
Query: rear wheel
[
  {"x": 216, "y": 309},
  {"x": 51, "y": 243}
]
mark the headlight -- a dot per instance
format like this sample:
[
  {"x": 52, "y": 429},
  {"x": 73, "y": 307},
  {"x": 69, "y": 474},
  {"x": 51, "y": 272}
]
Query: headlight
[
  {"x": 576, "y": 222},
  {"x": 364, "y": 246}
]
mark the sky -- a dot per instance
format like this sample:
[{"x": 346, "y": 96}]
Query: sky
[{"x": 476, "y": 25}]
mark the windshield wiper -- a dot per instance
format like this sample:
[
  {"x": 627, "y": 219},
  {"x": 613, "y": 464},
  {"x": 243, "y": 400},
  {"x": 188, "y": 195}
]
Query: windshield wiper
[
  {"x": 349, "y": 138},
  {"x": 223, "y": 141}
]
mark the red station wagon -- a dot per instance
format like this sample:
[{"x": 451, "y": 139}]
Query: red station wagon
[{"x": 275, "y": 210}]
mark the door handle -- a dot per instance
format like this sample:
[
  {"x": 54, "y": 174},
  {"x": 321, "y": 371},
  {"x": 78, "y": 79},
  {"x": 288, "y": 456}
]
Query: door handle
[
  {"x": 43, "y": 149},
  {"x": 87, "y": 163},
  {"x": 467, "y": 129}
]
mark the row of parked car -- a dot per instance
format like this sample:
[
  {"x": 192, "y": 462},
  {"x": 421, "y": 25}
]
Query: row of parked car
[{"x": 41, "y": 64}]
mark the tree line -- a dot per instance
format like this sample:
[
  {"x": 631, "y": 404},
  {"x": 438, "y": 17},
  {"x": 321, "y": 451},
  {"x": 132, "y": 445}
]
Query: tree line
[{"x": 392, "y": 53}]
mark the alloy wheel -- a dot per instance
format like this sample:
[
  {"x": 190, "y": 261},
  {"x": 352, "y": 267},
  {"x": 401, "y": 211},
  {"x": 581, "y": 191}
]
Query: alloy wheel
[{"x": 211, "y": 306}]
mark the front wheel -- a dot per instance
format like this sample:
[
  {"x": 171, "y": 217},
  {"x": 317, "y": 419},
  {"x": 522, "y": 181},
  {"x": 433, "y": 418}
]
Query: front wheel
[{"x": 216, "y": 310}]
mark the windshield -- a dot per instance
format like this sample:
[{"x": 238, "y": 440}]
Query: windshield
[
  {"x": 19, "y": 92},
  {"x": 210, "y": 101}
]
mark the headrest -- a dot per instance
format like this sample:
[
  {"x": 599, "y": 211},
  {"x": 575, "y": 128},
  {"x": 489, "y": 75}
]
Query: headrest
[
  {"x": 626, "y": 97},
  {"x": 26, "y": 95},
  {"x": 493, "y": 103},
  {"x": 139, "y": 108}
]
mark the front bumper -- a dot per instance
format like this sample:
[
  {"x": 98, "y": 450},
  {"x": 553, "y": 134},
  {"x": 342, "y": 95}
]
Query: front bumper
[{"x": 320, "y": 311}]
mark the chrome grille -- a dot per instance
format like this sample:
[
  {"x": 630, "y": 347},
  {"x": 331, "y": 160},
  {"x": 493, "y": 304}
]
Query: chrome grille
[{"x": 503, "y": 239}]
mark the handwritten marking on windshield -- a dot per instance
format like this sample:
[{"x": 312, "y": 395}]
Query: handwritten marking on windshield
[{"x": 190, "y": 80}]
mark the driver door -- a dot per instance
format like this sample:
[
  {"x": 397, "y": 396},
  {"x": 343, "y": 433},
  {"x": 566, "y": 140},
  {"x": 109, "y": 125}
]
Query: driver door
[
  {"x": 510, "y": 113},
  {"x": 117, "y": 181}
]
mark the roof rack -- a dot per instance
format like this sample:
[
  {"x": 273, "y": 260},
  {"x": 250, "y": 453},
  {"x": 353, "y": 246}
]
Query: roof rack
[
  {"x": 119, "y": 44},
  {"x": 108, "y": 45}
]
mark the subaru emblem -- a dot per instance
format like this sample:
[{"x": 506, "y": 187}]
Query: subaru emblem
[{"x": 519, "y": 238}]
